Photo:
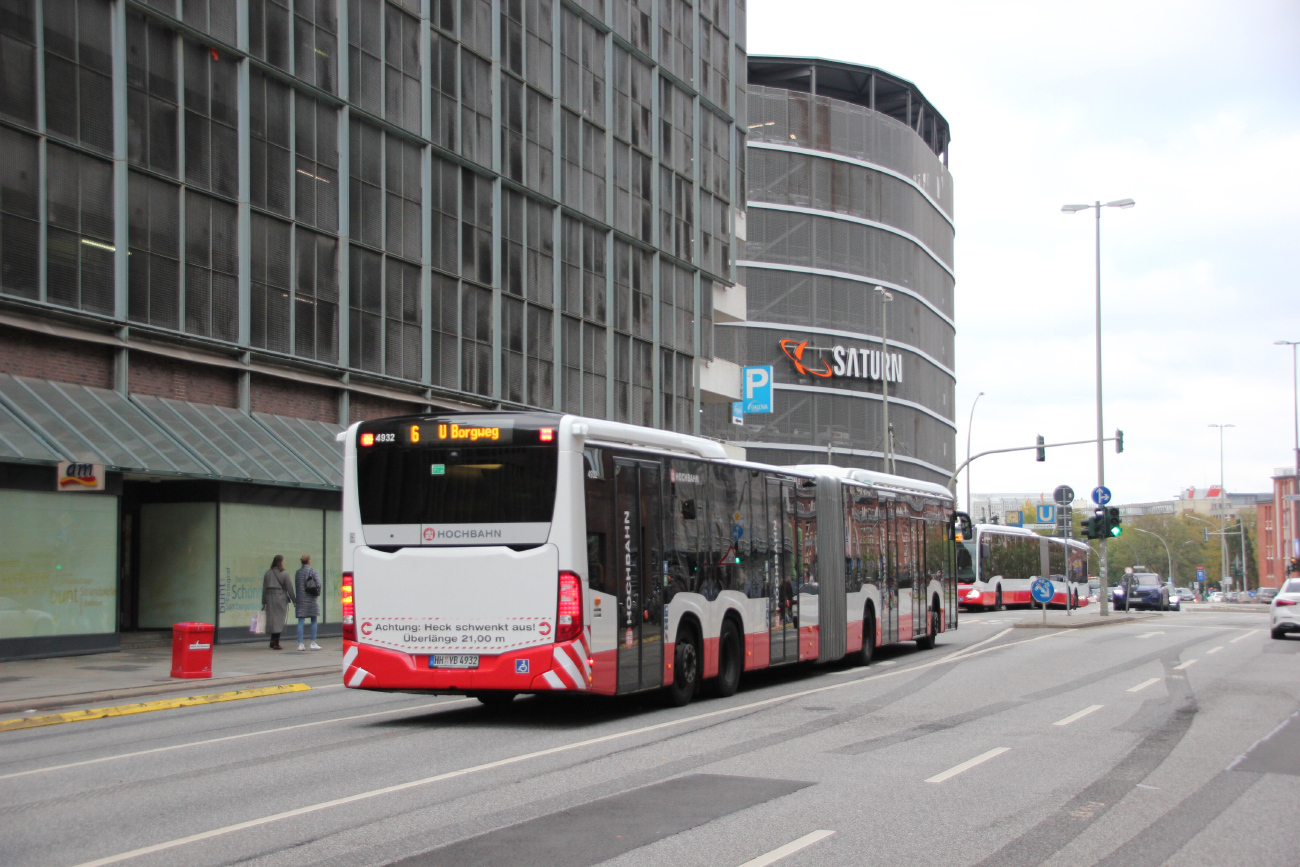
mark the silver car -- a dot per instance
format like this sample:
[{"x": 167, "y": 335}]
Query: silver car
[{"x": 1284, "y": 613}]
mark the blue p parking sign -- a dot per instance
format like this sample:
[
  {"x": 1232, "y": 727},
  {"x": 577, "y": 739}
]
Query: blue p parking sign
[{"x": 757, "y": 387}]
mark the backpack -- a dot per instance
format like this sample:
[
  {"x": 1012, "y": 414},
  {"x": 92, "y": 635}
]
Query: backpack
[{"x": 312, "y": 585}]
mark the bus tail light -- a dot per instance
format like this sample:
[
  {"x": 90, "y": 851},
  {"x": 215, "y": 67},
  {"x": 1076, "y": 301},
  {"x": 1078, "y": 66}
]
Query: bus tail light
[
  {"x": 568, "y": 610},
  {"x": 349, "y": 610},
  {"x": 547, "y": 435}
]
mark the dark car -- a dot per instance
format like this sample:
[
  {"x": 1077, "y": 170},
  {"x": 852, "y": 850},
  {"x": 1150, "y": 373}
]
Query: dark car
[{"x": 1142, "y": 590}]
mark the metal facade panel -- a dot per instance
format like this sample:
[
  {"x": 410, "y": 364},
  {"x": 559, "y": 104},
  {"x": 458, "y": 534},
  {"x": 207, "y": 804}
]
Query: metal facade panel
[
  {"x": 125, "y": 422},
  {"x": 188, "y": 426},
  {"x": 832, "y": 611},
  {"x": 312, "y": 441},
  {"x": 17, "y": 442},
  {"x": 282, "y": 463},
  {"x": 49, "y": 423}
]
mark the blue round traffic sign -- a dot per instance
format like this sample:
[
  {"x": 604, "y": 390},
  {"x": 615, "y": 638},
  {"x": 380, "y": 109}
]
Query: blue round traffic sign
[
  {"x": 1101, "y": 495},
  {"x": 737, "y": 532},
  {"x": 1042, "y": 590}
]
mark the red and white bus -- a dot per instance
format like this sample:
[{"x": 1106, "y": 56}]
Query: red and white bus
[
  {"x": 494, "y": 554},
  {"x": 997, "y": 564}
]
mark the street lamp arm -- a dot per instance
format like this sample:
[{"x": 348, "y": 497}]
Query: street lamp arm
[
  {"x": 952, "y": 480},
  {"x": 1168, "y": 553}
]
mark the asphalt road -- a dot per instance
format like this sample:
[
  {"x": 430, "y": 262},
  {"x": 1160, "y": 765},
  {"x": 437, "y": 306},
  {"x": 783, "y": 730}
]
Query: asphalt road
[{"x": 1172, "y": 741}]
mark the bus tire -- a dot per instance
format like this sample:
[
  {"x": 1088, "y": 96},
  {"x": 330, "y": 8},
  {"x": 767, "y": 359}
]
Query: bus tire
[
  {"x": 998, "y": 606},
  {"x": 731, "y": 661},
  {"x": 868, "y": 651},
  {"x": 495, "y": 698},
  {"x": 927, "y": 642},
  {"x": 686, "y": 667}
]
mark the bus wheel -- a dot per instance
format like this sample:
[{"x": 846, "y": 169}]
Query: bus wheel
[
  {"x": 868, "y": 639},
  {"x": 731, "y": 660},
  {"x": 686, "y": 668},
  {"x": 998, "y": 606},
  {"x": 495, "y": 698},
  {"x": 927, "y": 642}
]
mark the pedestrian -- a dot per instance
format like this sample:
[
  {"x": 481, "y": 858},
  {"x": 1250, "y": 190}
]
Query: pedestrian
[
  {"x": 306, "y": 588},
  {"x": 277, "y": 593}
]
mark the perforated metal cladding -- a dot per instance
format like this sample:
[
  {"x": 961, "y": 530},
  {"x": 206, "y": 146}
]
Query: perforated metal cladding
[
  {"x": 476, "y": 108},
  {"x": 832, "y": 615},
  {"x": 622, "y": 369},
  {"x": 445, "y": 317},
  {"x": 211, "y": 120},
  {"x": 365, "y": 316},
  {"x": 269, "y": 287},
  {"x": 315, "y": 27},
  {"x": 80, "y": 235},
  {"x": 541, "y": 357},
  {"x": 269, "y": 157},
  {"x": 152, "y": 96},
  {"x": 402, "y": 68},
  {"x": 537, "y": 22},
  {"x": 154, "y": 270},
  {"x": 316, "y": 299},
  {"x": 402, "y": 198},
  {"x": 316, "y": 175},
  {"x": 444, "y": 210},
  {"x": 268, "y": 31},
  {"x": 214, "y": 17},
  {"x": 512, "y": 128},
  {"x": 540, "y": 143},
  {"x": 594, "y": 370},
  {"x": 78, "y": 72},
  {"x": 366, "y": 190},
  {"x": 19, "y": 215},
  {"x": 642, "y": 410},
  {"x": 365, "y": 47},
  {"x": 402, "y": 319},
  {"x": 211, "y": 267},
  {"x": 18, "y": 85},
  {"x": 476, "y": 227},
  {"x": 512, "y": 349},
  {"x": 571, "y": 365},
  {"x": 476, "y": 339}
]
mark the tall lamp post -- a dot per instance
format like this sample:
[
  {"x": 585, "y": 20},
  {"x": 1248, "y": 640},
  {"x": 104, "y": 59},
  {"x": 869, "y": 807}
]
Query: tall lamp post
[
  {"x": 1223, "y": 516},
  {"x": 1295, "y": 390},
  {"x": 885, "y": 298},
  {"x": 1101, "y": 453},
  {"x": 970, "y": 422}
]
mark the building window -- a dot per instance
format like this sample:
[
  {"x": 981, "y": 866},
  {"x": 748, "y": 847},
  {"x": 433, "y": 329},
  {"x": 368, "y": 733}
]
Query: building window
[
  {"x": 79, "y": 72},
  {"x": 211, "y": 268},
  {"x": 593, "y": 273},
  {"x": 18, "y": 48},
  {"x": 512, "y": 349},
  {"x": 539, "y": 44},
  {"x": 540, "y": 285},
  {"x": 476, "y": 108},
  {"x": 512, "y": 35},
  {"x": 540, "y": 153},
  {"x": 403, "y": 316},
  {"x": 316, "y": 178},
  {"x": 541, "y": 357},
  {"x": 476, "y": 25},
  {"x": 152, "y": 101},
  {"x": 444, "y": 317},
  {"x": 211, "y": 121},
  {"x": 216, "y": 17},
  {"x": 367, "y": 165},
  {"x": 402, "y": 197},
  {"x": 153, "y": 293},
  {"x": 593, "y": 170},
  {"x": 268, "y": 31},
  {"x": 444, "y": 211},
  {"x": 19, "y": 214},
  {"x": 676, "y": 19},
  {"x": 476, "y": 227},
  {"x": 594, "y": 370},
  {"x": 571, "y": 365},
  {"x": 442, "y": 67},
  {"x": 269, "y": 143},
  {"x": 366, "y": 313},
  {"x": 402, "y": 58},
  {"x": 269, "y": 292},
  {"x": 316, "y": 297},
  {"x": 512, "y": 128},
  {"x": 365, "y": 68},
  {"x": 80, "y": 239},
  {"x": 513, "y": 217},
  {"x": 476, "y": 339},
  {"x": 316, "y": 29}
]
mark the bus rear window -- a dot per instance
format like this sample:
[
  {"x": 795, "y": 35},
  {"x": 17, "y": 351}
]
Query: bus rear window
[{"x": 478, "y": 485}]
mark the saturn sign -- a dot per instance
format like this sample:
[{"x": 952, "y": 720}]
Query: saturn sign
[{"x": 843, "y": 362}]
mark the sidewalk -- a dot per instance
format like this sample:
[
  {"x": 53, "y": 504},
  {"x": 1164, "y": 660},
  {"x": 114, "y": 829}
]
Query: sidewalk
[{"x": 68, "y": 681}]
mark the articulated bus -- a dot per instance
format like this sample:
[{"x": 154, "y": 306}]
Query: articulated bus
[
  {"x": 500, "y": 553},
  {"x": 997, "y": 564}
]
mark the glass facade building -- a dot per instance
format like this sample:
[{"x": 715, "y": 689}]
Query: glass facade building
[
  {"x": 848, "y": 190},
  {"x": 229, "y": 227}
]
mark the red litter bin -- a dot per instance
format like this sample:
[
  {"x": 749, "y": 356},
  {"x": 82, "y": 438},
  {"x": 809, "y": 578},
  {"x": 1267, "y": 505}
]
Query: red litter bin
[{"x": 192, "y": 650}]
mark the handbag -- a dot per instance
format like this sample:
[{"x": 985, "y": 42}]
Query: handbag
[
  {"x": 312, "y": 585},
  {"x": 258, "y": 624}
]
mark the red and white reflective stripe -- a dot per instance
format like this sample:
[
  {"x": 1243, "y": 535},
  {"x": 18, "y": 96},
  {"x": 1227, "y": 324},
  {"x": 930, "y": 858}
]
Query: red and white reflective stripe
[
  {"x": 569, "y": 668},
  {"x": 353, "y": 676}
]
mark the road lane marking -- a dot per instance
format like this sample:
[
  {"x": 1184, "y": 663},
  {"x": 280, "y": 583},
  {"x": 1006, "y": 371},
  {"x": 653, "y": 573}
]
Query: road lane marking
[
  {"x": 978, "y": 644},
  {"x": 225, "y": 738},
  {"x": 1214, "y": 650},
  {"x": 511, "y": 760},
  {"x": 1143, "y": 685},
  {"x": 1080, "y": 715},
  {"x": 788, "y": 849},
  {"x": 1240, "y": 637},
  {"x": 967, "y": 765},
  {"x": 1150, "y": 634},
  {"x": 1188, "y": 664},
  {"x": 54, "y": 719}
]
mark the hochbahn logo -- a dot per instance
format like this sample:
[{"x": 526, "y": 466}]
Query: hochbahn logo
[{"x": 842, "y": 362}]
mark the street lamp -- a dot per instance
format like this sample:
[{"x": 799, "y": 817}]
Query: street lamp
[
  {"x": 1295, "y": 390},
  {"x": 1168, "y": 553},
  {"x": 1223, "y": 515},
  {"x": 1101, "y": 453},
  {"x": 969, "y": 422},
  {"x": 885, "y": 298}
]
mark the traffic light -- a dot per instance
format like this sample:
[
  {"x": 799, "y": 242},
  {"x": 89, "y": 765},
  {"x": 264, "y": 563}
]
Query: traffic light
[
  {"x": 1119, "y": 441},
  {"x": 1113, "y": 522},
  {"x": 1042, "y": 451},
  {"x": 1095, "y": 527}
]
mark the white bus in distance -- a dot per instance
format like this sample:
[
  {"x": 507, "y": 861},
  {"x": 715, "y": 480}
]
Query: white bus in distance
[
  {"x": 493, "y": 554},
  {"x": 997, "y": 564}
]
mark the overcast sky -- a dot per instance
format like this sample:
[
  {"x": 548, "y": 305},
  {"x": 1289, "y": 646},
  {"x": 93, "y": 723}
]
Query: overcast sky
[{"x": 1191, "y": 108}]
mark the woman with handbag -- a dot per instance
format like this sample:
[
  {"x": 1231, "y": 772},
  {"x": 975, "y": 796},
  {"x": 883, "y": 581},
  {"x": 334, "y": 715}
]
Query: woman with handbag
[
  {"x": 277, "y": 593},
  {"x": 307, "y": 587}
]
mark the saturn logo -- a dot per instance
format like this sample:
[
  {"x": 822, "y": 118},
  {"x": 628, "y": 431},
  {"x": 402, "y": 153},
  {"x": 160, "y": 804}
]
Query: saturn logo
[{"x": 794, "y": 352}]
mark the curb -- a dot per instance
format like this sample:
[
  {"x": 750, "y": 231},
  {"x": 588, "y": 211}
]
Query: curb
[
  {"x": 1084, "y": 624},
  {"x": 188, "y": 686}
]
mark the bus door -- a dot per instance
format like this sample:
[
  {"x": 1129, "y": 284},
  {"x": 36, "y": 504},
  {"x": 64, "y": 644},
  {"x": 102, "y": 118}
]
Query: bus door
[
  {"x": 887, "y": 528},
  {"x": 638, "y": 555},
  {"x": 784, "y": 588}
]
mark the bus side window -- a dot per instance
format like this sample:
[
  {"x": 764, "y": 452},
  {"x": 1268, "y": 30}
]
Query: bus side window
[{"x": 596, "y": 576}]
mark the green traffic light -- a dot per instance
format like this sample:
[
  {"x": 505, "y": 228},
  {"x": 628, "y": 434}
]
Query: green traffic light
[{"x": 1115, "y": 531}]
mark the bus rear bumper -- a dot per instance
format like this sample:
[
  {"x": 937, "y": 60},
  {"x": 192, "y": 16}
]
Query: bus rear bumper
[{"x": 546, "y": 668}]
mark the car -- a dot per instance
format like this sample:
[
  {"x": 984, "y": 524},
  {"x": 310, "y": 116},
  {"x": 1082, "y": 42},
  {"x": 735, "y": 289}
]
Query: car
[
  {"x": 1175, "y": 600},
  {"x": 1216, "y": 596},
  {"x": 1141, "y": 590},
  {"x": 1186, "y": 594},
  {"x": 1266, "y": 595},
  {"x": 1284, "y": 612}
]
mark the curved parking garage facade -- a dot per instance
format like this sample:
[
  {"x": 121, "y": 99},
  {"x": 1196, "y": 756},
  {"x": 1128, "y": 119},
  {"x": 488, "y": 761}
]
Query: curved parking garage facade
[{"x": 848, "y": 190}]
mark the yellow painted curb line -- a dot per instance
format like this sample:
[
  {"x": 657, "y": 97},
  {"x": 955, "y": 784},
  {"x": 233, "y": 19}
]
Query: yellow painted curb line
[{"x": 145, "y": 707}]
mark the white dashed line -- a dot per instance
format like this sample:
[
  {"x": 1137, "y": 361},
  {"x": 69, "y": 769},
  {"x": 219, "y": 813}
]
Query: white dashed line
[
  {"x": 1144, "y": 684},
  {"x": 1214, "y": 650},
  {"x": 1080, "y": 715},
  {"x": 967, "y": 765},
  {"x": 1188, "y": 664},
  {"x": 788, "y": 849},
  {"x": 1240, "y": 637}
]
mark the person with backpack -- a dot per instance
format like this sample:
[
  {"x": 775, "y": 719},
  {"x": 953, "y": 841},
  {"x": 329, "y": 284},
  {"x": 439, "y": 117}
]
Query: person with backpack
[{"x": 307, "y": 587}]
